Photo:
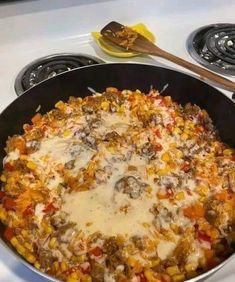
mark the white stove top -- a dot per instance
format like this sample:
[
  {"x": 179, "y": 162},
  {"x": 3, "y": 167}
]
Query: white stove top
[{"x": 33, "y": 29}]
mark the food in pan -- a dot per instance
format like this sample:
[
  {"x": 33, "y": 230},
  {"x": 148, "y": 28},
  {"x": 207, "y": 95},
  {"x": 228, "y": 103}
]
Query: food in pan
[{"x": 120, "y": 186}]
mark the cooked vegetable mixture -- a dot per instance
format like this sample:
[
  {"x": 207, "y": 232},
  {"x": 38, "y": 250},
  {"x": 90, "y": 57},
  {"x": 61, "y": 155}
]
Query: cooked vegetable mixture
[{"x": 120, "y": 186}]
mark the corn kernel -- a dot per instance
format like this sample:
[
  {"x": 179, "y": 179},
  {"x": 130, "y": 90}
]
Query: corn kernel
[
  {"x": 190, "y": 267},
  {"x": 37, "y": 265},
  {"x": 30, "y": 258},
  {"x": 202, "y": 190},
  {"x": 3, "y": 178},
  {"x": 165, "y": 157},
  {"x": 179, "y": 121},
  {"x": 63, "y": 266},
  {"x": 175, "y": 227},
  {"x": 28, "y": 246},
  {"x": 3, "y": 215},
  {"x": 87, "y": 278},
  {"x": 81, "y": 258},
  {"x": 172, "y": 145},
  {"x": 202, "y": 261},
  {"x": 14, "y": 241},
  {"x": 180, "y": 196},
  {"x": 105, "y": 105},
  {"x": 71, "y": 279},
  {"x": 177, "y": 131},
  {"x": 20, "y": 249},
  {"x": 59, "y": 104},
  {"x": 178, "y": 278},
  {"x": 166, "y": 278},
  {"x": 149, "y": 274},
  {"x": 74, "y": 275},
  {"x": 163, "y": 171},
  {"x": 173, "y": 270},
  {"x": 150, "y": 170},
  {"x": 31, "y": 165},
  {"x": 228, "y": 152},
  {"x": 48, "y": 229},
  {"x": 155, "y": 262},
  {"x": 53, "y": 243},
  {"x": 56, "y": 266},
  {"x": 67, "y": 133},
  {"x": 23, "y": 157},
  {"x": 184, "y": 136},
  {"x": 179, "y": 154}
]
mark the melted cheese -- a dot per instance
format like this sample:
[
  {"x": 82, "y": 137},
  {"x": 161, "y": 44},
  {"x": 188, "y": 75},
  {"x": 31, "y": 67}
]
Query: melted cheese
[
  {"x": 165, "y": 249},
  {"x": 103, "y": 209}
]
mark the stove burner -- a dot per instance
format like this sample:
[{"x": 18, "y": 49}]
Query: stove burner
[
  {"x": 214, "y": 47},
  {"x": 50, "y": 66}
]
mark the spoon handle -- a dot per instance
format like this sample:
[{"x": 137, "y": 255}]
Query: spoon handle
[{"x": 219, "y": 80}]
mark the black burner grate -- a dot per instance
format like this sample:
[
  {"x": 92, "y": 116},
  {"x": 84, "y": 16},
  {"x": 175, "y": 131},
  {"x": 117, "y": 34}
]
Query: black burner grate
[
  {"x": 50, "y": 66},
  {"x": 214, "y": 47}
]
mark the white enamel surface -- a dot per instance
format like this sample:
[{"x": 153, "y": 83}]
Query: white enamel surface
[{"x": 32, "y": 29}]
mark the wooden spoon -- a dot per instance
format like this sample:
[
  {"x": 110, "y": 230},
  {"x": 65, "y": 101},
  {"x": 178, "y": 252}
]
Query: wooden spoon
[{"x": 129, "y": 39}]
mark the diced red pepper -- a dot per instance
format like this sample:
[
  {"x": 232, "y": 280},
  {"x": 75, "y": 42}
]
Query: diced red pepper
[
  {"x": 170, "y": 192},
  {"x": 169, "y": 127},
  {"x": 199, "y": 129},
  {"x": 204, "y": 237},
  {"x": 8, "y": 233},
  {"x": 9, "y": 203},
  {"x": 158, "y": 147},
  {"x": 50, "y": 208},
  {"x": 85, "y": 267},
  {"x": 141, "y": 277},
  {"x": 27, "y": 127},
  {"x": 28, "y": 211},
  {"x": 2, "y": 194},
  {"x": 8, "y": 166},
  {"x": 185, "y": 167},
  {"x": 157, "y": 133},
  {"x": 97, "y": 252}
]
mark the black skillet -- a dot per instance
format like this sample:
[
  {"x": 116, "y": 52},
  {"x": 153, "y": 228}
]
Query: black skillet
[{"x": 183, "y": 88}]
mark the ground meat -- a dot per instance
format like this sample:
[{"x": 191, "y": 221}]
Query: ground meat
[
  {"x": 163, "y": 216},
  {"x": 35, "y": 134},
  {"x": 130, "y": 185},
  {"x": 21, "y": 165},
  {"x": 97, "y": 272},
  {"x": 32, "y": 146},
  {"x": 114, "y": 97},
  {"x": 115, "y": 259},
  {"x": 182, "y": 251},
  {"x": 90, "y": 107},
  {"x": 57, "y": 114},
  {"x": 111, "y": 245},
  {"x": 58, "y": 220},
  {"x": 111, "y": 136},
  {"x": 90, "y": 141},
  {"x": 169, "y": 181},
  {"x": 148, "y": 151},
  {"x": 231, "y": 180},
  {"x": 219, "y": 214},
  {"x": 152, "y": 119},
  {"x": 65, "y": 232},
  {"x": 138, "y": 242},
  {"x": 70, "y": 164},
  {"x": 191, "y": 110},
  {"x": 75, "y": 150},
  {"x": 46, "y": 259},
  {"x": 93, "y": 121}
]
